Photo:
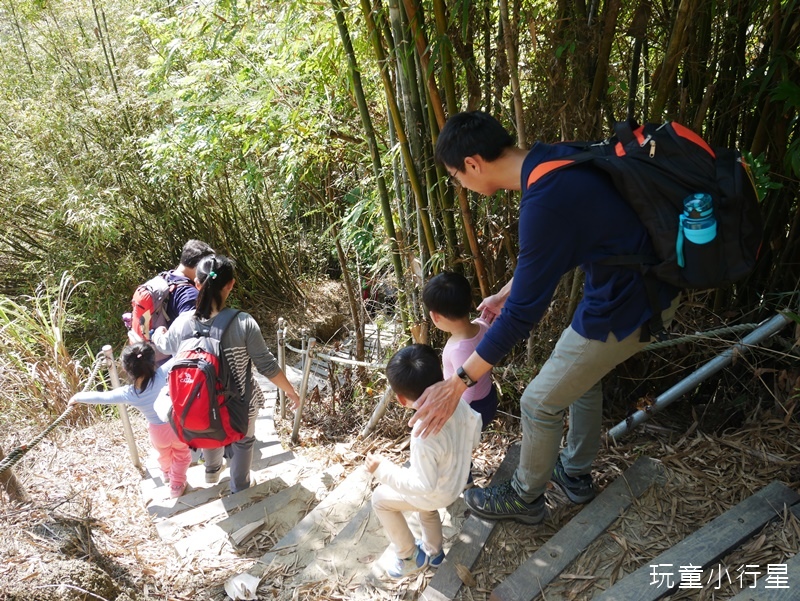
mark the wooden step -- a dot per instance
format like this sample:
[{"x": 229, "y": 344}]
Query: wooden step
[
  {"x": 171, "y": 529},
  {"x": 708, "y": 544},
  {"x": 541, "y": 568},
  {"x": 300, "y": 545},
  {"x": 280, "y": 512},
  {"x": 357, "y": 553},
  {"x": 776, "y": 589}
]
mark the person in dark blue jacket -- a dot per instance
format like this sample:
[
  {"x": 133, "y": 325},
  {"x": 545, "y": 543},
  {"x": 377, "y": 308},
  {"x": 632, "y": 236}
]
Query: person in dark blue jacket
[{"x": 570, "y": 218}]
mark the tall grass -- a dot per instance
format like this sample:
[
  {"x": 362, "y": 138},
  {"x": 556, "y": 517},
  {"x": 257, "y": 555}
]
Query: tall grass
[{"x": 38, "y": 374}]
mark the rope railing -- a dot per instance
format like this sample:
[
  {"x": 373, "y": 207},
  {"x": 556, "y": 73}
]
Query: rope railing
[
  {"x": 19, "y": 452},
  {"x": 337, "y": 359},
  {"x": 324, "y": 356},
  {"x": 308, "y": 352}
]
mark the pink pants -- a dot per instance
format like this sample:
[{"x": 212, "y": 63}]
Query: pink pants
[{"x": 174, "y": 456}]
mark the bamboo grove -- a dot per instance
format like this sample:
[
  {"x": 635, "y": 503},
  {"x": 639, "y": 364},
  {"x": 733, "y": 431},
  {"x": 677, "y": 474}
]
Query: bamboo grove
[
  {"x": 297, "y": 136},
  {"x": 567, "y": 70}
]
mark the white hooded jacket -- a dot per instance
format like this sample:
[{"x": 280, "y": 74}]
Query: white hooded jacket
[{"x": 439, "y": 464}]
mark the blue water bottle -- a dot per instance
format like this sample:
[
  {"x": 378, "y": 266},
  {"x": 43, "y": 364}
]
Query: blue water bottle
[{"x": 697, "y": 223}]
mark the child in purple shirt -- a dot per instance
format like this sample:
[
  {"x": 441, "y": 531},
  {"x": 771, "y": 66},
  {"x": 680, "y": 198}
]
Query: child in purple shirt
[{"x": 448, "y": 298}]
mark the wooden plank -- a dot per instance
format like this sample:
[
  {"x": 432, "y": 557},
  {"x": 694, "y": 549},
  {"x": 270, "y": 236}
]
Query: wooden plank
[
  {"x": 170, "y": 529},
  {"x": 164, "y": 507},
  {"x": 766, "y": 588},
  {"x": 214, "y": 534},
  {"x": 474, "y": 533},
  {"x": 705, "y": 546},
  {"x": 544, "y": 566},
  {"x": 320, "y": 524}
]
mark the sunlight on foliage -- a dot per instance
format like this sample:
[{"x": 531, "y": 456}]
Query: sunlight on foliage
[{"x": 38, "y": 374}]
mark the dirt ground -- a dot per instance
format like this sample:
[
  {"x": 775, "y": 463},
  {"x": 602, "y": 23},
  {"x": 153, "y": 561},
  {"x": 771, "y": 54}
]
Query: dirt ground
[
  {"x": 85, "y": 526},
  {"x": 86, "y": 523}
]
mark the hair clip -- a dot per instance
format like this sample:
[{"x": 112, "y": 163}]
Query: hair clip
[
  {"x": 212, "y": 275},
  {"x": 139, "y": 356}
]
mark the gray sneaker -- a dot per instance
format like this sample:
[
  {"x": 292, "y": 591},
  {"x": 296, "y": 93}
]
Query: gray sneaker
[
  {"x": 212, "y": 475},
  {"x": 502, "y": 502},
  {"x": 579, "y": 489}
]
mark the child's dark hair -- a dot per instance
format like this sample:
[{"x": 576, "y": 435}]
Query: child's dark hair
[
  {"x": 213, "y": 273},
  {"x": 412, "y": 369},
  {"x": 194, "y": 251},
  {"x": 139, "y": 361},
  {"x": 448, "y": 294},
  {"x": 470, "y": 133}
]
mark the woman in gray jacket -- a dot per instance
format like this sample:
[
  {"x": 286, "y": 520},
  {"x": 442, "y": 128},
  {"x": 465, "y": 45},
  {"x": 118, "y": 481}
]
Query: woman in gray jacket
[{"x": 241, "y": 344}]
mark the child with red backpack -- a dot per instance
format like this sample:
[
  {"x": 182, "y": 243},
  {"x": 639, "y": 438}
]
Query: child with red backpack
[
  {"x": 147, "y": 381},
  {"x": 241, "y": 345}
]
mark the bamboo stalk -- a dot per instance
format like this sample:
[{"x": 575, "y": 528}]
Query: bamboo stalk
[
  {"x": 366, "y": 120},
  {"x": 603, "y": 53},
  {"x": 513, "y": 74},
  {"x": 394, "y": 111},
  {"x": 676, "y": 48}
]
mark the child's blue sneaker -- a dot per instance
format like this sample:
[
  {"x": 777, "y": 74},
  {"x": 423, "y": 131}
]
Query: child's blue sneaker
[
  {"x": 434, "y": 561},
  {"x": 400, "y": 568}
]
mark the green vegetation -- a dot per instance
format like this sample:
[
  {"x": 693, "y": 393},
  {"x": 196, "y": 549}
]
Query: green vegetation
[{"x": 297, "y": 136}]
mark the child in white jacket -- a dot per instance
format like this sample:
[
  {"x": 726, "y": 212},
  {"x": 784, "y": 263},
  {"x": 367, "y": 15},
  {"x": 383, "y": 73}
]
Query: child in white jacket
[{"x": 438, "y": 469}]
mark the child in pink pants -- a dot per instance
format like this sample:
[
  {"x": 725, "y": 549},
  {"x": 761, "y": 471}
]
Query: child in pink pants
[{"x": 147, "y": 381}]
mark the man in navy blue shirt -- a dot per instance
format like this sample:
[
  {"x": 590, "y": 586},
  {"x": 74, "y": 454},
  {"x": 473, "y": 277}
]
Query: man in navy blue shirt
[
  {"x": 570, "y": 218},
  {"x": 184, "y": 296}
]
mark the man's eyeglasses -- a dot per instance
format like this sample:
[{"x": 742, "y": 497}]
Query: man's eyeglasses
[{"x": 453, "y": 181}]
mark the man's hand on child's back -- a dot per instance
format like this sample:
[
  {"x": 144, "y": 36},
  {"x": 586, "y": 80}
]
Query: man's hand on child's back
[{"x": 435, "y": 406}]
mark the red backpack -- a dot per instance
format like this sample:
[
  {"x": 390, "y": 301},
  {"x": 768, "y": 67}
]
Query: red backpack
[
  {"x": 149, "y": 308},
  {"x": 207, "y": 410}
]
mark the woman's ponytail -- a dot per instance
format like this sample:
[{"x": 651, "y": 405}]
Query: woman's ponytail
[{"x": 213, "y": 273}]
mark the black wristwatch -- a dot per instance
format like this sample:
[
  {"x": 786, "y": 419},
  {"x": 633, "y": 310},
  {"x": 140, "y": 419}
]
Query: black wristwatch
[{"x": 464, "y": 376}]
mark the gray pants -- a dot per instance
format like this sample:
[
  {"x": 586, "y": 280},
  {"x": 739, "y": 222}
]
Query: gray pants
[
  {"x": 570, "y": 378},
  {"x": 240, "y": 461}
]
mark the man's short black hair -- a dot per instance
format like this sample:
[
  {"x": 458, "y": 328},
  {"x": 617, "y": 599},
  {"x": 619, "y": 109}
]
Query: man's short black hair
[
  {"x": 412, "y": 369},
  {"x": 193, "y": 251},
  {"x": 470, "y": 133},
  {"x": 448, "y": 294}
]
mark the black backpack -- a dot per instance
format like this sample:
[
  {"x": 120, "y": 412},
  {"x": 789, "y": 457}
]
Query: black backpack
[{"x": 655, "y": 167}]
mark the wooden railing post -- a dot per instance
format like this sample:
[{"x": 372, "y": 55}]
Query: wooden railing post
[
  {"x": 123, "y": 409},
  {"x": 309, "y": 357},
  {"x": 282, "y": 363}
]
